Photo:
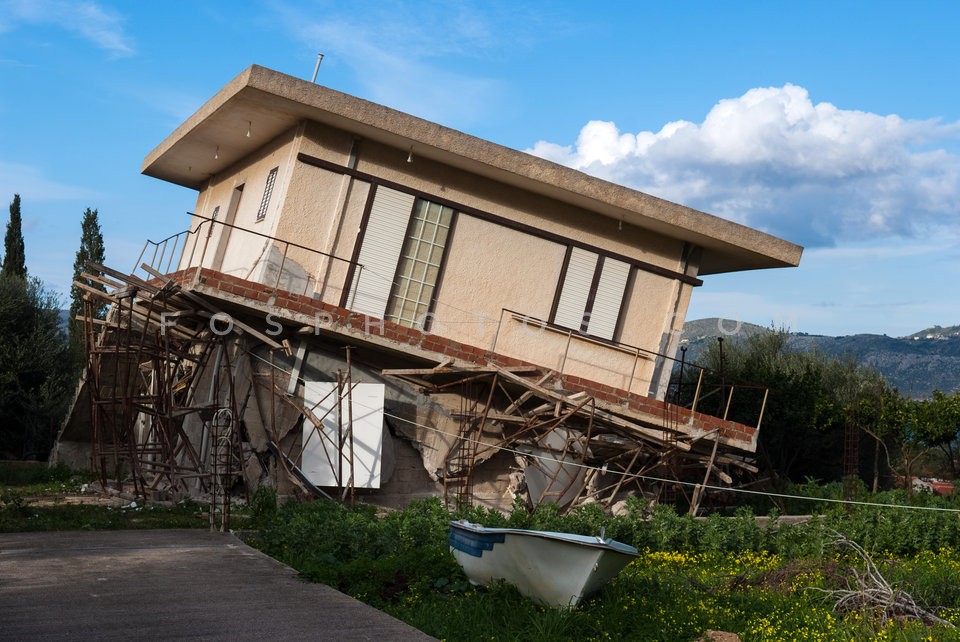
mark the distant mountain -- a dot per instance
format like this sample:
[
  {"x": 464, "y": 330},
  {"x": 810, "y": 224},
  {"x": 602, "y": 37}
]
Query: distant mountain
[
  {"x": 916, "y": 365},
  {"x": 937, "y": 332}
]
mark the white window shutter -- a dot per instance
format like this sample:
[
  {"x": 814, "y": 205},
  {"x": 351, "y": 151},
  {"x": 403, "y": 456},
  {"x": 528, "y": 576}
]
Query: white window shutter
[
  {"x": 380, "y": 252},
  {"x": 609, "y": 298},
  {"x": 576, "y": 288}
]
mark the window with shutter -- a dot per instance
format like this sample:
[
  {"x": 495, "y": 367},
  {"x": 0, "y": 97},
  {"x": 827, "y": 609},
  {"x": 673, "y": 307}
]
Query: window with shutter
[
  {"x": 400, "y": 257},
  {"x": 591, "y": 293},
  {"x": 608, "y": 299}
]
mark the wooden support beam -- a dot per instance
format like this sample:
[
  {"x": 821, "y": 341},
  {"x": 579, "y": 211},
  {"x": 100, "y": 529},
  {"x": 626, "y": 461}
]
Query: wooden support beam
[
  {"x": 647, "y": 433},
  {"x": 616, "y": 488},
  {"x": 129, "y": 279},
  {"x": 152, "y": 317},
  {"x": 495, "y": 416},
  {"x": 100, "y": 294},
  {"x": 460, "y": 382},
  {"x": 727, "y": 460},
  {"x": 102, "y": 280},
  {"x": 423, "y": 384},
  {"x": 395, "y": 372},
  {"x": 698, "y": 490},
  {"x": 238, "y": 325}
]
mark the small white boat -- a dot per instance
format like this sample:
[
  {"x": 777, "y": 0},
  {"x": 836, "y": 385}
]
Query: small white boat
[{"x": 554, "y": 569}]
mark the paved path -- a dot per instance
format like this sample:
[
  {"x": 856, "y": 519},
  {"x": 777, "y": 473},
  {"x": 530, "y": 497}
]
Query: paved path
[{"x": 168, "y": 584}]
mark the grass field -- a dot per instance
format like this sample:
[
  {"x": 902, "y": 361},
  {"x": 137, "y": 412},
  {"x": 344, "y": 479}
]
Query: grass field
[
  {"x": 729, "y": 574},
  {"x": 34, "y": 497},
  {"x": 763, "y": 583}
]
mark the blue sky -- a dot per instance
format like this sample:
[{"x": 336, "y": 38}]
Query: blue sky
[{"x": 835, "y": 125}]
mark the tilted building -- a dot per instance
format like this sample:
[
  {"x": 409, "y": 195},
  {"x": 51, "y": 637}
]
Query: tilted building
[{"x": 464, "y": 317}]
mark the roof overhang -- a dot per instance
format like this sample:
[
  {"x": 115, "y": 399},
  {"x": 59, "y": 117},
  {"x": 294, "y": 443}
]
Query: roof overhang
[{"x": 266, "y": 103}]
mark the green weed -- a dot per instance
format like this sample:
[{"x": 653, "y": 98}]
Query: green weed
[{"x": 694, "y": 574}]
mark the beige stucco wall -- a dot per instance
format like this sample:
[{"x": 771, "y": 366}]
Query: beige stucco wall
[
  {"x": 314, "y": 195},
  {"x": 571, "y": 353},
  {"x": 646, "y": 308},
  {"x": 491, "y": 268},
  {"x": 326, "y": 208},
  {"x": 244, "y": 254},
  {"x": 327, "y": 143}
]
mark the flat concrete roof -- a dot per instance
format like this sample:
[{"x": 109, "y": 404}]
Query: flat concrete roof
[
  {"x": 266, "y": 103},
  {"x": 169, "y": 584}
]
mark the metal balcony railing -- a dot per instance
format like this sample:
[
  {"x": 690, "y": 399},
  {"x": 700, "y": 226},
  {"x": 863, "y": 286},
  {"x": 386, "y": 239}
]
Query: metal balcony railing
[
  {"x": 195, "y": 250},
  {"x": 686, "y": 389}
]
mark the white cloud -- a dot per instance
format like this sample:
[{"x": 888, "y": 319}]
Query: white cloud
[
  {"x": 403, "y": 54},
  {"x": 773, "y": 159},
  {"x": 100, "y": 26},
  {"x": 32, "y": 185}
]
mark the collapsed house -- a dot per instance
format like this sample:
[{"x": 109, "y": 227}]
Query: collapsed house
[{"x": 368, "y": 303}]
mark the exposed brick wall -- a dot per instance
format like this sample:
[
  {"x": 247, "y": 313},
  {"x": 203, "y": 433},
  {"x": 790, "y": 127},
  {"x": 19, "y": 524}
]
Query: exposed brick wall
[{"x": 333, "y": 317}]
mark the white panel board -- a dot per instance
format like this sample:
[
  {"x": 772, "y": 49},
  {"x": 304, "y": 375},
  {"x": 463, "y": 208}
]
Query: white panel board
[{"x": 319, "y": 461}]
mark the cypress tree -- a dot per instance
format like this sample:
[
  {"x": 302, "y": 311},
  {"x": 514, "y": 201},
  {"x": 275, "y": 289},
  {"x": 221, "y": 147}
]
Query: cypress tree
[
  {"x": 91, "y": 249},
  {"x": 14, "y": 258}
]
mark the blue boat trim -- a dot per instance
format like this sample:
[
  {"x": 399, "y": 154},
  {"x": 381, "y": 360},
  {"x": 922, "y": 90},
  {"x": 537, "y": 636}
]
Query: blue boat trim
[
  {"x": 473, "y": 543},
  {"x": 465, "y": 530}
]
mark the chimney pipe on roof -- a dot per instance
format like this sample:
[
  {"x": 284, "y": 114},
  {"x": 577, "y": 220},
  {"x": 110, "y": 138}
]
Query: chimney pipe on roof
[{"x": 317, "y": 68}]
